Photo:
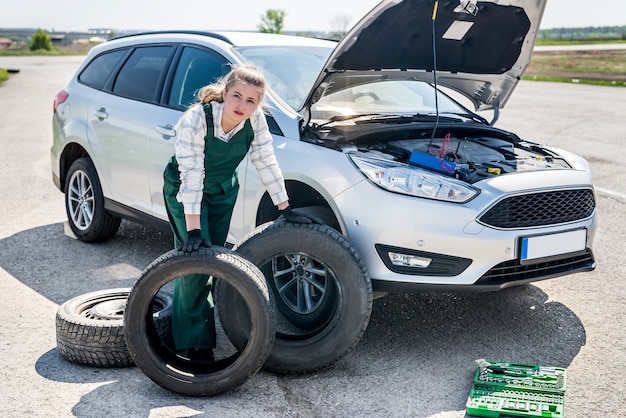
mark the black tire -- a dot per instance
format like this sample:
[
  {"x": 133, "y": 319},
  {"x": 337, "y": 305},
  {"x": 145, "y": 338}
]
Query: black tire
[
  {"x": 322, "y": 214},
  {"x": 198, "y": 378},
  {"x": 90, "y": 327},
  {"x": 305, "y": 342},
  {"x": 84, "y": 204}
]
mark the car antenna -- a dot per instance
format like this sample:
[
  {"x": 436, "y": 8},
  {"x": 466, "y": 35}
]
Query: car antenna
[{"x": 435, "y": 7}]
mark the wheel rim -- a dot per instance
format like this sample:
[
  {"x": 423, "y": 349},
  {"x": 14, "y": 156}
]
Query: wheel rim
[
  {"x": 301, "y": 281},
  {"x": 113, "y": 309},
  {"x": 109, "y": 310},
  {"x": 80, "y": 200}
]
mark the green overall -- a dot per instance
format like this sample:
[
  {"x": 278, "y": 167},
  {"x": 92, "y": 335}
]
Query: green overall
[{"x": 193, "y": 323}]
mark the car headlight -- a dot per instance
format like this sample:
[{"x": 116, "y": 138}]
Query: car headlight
[{"x": 413, "y": 181}]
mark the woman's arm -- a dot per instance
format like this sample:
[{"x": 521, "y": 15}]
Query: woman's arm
[
  {"x": 189, "y": 148},
  {"x": 264, "y": 160}
]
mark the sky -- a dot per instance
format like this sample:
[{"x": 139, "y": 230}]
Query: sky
[{"x": 301, "y": 15}]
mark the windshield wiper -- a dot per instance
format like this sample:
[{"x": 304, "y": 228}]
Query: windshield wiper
[
  {"x": 341, "y": 118},
  {"x": 387, "y": 118}
]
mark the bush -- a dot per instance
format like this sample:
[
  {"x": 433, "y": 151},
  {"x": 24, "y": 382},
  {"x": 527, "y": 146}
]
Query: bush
[{"x": 40, "y": 40}]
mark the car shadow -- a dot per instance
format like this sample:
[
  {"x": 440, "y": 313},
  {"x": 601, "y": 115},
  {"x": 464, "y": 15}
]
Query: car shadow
[
  {"x": 418, "y": 354},
  {"x": 59, "y": 267},
  {"x": 416, "y": 358}
]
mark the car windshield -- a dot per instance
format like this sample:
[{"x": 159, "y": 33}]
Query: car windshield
[
  {"x": 290, "y": 70},
  {"x": 378, "y": 96}
]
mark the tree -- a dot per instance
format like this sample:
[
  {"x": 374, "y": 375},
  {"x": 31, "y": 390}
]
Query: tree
[
  {"x": 339, "y": 25},
  {"x": 40, "y": 40},
  {"x": 272, "y": 21}
]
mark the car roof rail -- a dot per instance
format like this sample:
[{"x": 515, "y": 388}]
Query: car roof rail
[{"x": 174, "y": 31}]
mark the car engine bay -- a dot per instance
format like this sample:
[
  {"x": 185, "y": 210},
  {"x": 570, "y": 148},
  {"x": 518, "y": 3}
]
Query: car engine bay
[{"x": 469, "y": 153}]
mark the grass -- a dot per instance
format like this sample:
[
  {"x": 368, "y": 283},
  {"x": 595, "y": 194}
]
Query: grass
[
  {"x": 553, "y": 42},
  {"x": 23, "y": 50},
  {"x": 4, "y": 75},
  {"x": 597, "y": 67}
]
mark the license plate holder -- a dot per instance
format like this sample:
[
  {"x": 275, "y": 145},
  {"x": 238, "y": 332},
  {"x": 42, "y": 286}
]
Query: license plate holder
[{"x": 544, "y": 247}]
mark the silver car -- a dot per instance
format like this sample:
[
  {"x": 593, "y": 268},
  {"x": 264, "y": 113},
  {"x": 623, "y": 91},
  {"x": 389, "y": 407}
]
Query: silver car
[{"x": 430, "y": 193}]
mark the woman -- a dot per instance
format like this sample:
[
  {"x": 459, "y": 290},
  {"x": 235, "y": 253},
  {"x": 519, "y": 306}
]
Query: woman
[{"x": 201, "y": 185}]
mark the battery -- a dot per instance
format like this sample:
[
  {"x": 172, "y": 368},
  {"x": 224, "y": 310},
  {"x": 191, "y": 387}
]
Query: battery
[{"x": 431, "y": 162}]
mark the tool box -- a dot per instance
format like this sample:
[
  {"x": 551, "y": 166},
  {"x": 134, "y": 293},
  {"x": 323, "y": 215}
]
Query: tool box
[{"x": 519, "y": 390}]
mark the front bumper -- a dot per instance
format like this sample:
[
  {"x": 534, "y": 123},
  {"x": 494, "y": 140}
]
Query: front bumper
[{"x": 466, "y": 254}]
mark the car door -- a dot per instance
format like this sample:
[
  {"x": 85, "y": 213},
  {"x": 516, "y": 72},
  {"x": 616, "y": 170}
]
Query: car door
[
  {"x": 119, "y": 125},
  {"x": 194, "y": 68}
]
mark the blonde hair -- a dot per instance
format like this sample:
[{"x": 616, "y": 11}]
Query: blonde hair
[{"x": 244, "y": 74}]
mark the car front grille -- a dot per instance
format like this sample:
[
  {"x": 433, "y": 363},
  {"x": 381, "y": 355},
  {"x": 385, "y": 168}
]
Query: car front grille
[
  {"x": 512, "y": 271},
  {"x": 540, "y": 209}
]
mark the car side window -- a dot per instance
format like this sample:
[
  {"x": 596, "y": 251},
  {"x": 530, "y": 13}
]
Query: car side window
[
  {"x": 100, "y": 68},
  {"x": 196, "y": 68},
  {"x": 139, "y": 76}
]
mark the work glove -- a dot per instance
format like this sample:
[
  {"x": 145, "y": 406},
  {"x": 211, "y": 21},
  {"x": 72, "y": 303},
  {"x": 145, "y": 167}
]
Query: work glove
[
  {"x": 296, "y": 217},
  {"x": 194, "y": 241}
]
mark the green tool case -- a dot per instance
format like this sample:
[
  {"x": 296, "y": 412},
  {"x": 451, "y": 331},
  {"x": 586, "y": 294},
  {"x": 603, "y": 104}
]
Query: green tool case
[{"x": 514, "y": 389}]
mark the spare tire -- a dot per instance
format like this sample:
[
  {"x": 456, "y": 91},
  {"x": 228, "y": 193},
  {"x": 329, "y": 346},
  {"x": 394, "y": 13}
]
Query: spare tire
[
  {"x": 160, "y": 362},
  {"x": 90, "y": 327},
  {"x": 320, "y": 287}
]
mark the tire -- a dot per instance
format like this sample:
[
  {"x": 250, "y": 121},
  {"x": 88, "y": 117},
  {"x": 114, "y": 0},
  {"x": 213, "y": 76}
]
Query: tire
[
  {"x": 322, "y": 214},
  {"x": 90, "y": 327},
  {"x": 200, "y": 378},
  {"x": 315, "y": 337},
  {"x": 84, "y": 204}
]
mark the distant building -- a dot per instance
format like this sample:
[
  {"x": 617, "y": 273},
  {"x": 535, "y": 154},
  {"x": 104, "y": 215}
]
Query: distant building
[
  {"x": 100, "y": 31},
  {"x": 5, "y": 44},
  {"x": 58, "y": 39}
]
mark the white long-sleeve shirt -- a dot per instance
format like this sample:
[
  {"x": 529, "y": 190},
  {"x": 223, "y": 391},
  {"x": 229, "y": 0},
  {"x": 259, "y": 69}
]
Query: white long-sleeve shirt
[{"x": 191, "y": 130}]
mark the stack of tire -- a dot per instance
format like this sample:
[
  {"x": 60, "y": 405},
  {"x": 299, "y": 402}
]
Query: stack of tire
[{"x": 290, "y": 298}]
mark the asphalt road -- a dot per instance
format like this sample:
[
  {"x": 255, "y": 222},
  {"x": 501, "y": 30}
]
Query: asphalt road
[{"x": 417, "y": 357}]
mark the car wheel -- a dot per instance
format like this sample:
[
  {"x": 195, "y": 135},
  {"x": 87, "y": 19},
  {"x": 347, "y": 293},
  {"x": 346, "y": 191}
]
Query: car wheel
[
  {"x": 229, "y": 369},
  {"x": 321, "y": 289},
  {"x": 90, "y": 327},
  {"x": 311, "y": 298},
  {"x": 84, "y": 204}
]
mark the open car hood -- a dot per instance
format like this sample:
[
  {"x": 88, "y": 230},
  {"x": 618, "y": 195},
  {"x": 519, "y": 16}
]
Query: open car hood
[{"x": 482, "y": 48}]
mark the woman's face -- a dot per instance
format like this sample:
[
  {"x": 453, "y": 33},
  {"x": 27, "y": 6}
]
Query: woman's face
[{"x": 240, "y": 101}]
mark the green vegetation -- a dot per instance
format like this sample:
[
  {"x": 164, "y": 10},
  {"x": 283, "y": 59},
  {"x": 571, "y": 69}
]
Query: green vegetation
[
  {"x": 4, "y": 75},
  {"x": 597, "y": 67},
  {"x": 55, "y": 51},
  {"x": 40, "y": 41},
  {"x": 562, "y": 42},
  {"x": 588, "y": 34},
  {"x": 272, "y": 21}
]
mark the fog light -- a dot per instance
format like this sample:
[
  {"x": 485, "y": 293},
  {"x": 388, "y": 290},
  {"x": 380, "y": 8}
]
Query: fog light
[{"x": 406, "y": 260}]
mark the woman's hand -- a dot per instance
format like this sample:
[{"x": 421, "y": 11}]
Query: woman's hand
[
  {"x": 292, "y": 215},
  {"x": 194, "y": 241}
]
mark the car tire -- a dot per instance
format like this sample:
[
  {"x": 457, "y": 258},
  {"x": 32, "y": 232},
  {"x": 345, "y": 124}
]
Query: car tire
[
  {"x": 84, "y": 204},
  {"x": 161, "y": 363},
  {"x": 338, "y": 314},
  {"x": 322, "y": 214},
  {"x": 90, "y": 327}
]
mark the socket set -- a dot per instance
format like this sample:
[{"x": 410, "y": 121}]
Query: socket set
[{"x": 515, "y": 389}]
